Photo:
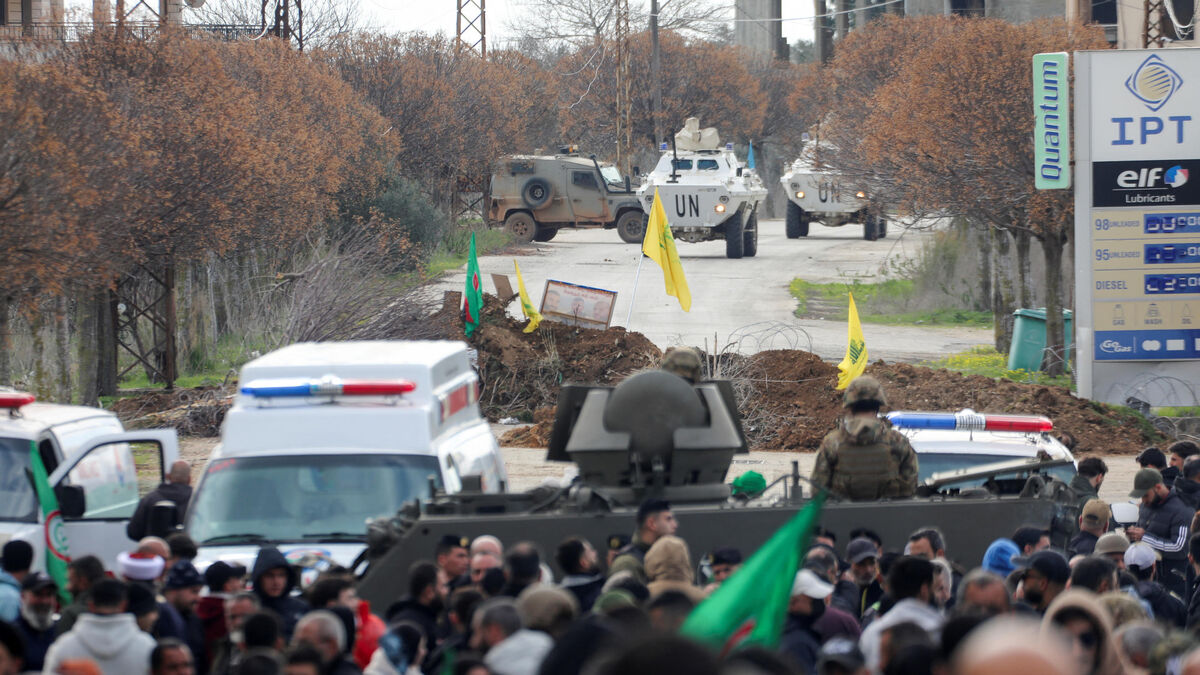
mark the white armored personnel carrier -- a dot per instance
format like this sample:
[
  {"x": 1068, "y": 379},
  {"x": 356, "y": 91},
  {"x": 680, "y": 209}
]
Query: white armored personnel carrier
[
  {"x": 706, "y": 192},
  {"x": 818, "y": 194}
]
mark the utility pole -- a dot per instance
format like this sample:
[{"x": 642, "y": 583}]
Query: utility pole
[
  {"x": 655, "y": 75},
  {"x": 471, "y": 27},
  {"x": 624, "y": 101},
  {"x": 287, "y": 20},
  {"x": 1152, "y": 26}
]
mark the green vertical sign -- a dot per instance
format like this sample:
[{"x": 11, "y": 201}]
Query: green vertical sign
[{"x": 1052, "y": 121}]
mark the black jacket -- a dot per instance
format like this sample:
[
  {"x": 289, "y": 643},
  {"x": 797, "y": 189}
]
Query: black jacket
[
  {"x": 1167, "y": 524},
  {"x": 1188, "y": 492},
  {"x": 1167, "y": 608},
  {"x": 585, "y": 588},
  {"x": 172, "y": 492},
  {"x": 408, "y": 609},
  {"x": 855, "y": 599},
  {"x": 1083, "y": 543},
  {"x": 37, "y": 642},
  {"x": 288, "y": 608},
  {"x": 1193, "y": 608},
  {"x": 800, "y": 642}
]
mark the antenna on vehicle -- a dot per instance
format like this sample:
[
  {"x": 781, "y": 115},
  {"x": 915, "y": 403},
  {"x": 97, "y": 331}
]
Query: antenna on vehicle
[{"x": 674, "y": 163}]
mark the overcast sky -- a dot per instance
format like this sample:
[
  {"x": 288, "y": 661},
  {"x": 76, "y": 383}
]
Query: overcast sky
[{"x": 432, "y": 16}]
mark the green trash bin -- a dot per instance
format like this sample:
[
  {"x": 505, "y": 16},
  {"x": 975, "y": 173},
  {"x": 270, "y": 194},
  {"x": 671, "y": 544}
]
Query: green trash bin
[{"x": 1029, "y": 338}]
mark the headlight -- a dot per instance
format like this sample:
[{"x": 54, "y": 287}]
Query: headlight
[
  {"x": 719, "y": 208},
  {"x": 795, "y": 185},
  {"x": 860, "y": 194},
  {"x": 799, "y": 194},
  {"x": 649, "y": 199},
  {"x": 723, "y": 198}
]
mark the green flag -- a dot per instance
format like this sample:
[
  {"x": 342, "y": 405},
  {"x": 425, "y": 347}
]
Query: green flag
[
  {"x": 473, "y": 296},
  {"x": 57, "y": 551},
  {"x": 751, "y": 606}
]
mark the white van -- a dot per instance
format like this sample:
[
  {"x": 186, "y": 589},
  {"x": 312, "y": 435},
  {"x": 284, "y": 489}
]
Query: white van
[
  {"x": 98, "y": 473},
  {"x": 323, "y": 436}
]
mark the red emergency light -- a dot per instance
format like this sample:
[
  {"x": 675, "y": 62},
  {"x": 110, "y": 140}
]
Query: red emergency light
[
  {"x": 329, "y": 386},
  {"x": 969, "y": 420},
  {"x": 12, "y": 400}
]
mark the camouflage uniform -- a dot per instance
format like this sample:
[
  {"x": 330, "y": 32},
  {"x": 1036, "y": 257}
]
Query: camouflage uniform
[
  {"x": 684, "y": 362},
  {"x": 865, "y": 458}
]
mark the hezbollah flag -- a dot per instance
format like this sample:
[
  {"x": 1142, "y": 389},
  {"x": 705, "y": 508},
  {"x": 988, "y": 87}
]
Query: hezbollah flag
[
  {"x": 659, "y": 245},
  {"x": 527, "y": 307},
  {"x": 750, "y": 607},
  {"x": 856, "y": 351},
  {"x": 57, "y": 552},
  {"x": 473, "y": 296}
]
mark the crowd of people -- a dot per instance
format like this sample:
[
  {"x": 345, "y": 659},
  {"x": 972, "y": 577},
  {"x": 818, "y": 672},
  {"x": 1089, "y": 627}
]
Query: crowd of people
[{"x": 1108, "y": 602}]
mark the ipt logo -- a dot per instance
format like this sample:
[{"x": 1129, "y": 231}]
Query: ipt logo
[
  {"x": 1154, "y": 82},
  {"x": 56, "y": 536}
]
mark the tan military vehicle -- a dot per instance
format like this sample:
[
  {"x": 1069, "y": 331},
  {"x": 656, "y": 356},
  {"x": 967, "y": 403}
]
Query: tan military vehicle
[{"x": 535, "y": 195}]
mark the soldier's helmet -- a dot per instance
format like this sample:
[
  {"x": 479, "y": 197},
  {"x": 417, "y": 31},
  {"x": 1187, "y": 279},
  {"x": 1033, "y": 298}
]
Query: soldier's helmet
[
  {"x": 864, "y": 388},
  {"x": 684, "y": 362}
]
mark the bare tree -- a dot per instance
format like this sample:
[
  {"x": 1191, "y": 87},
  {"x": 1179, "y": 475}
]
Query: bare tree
[
  {"x": 323, "y": 19},
  {"x": 591, "y": 21}
]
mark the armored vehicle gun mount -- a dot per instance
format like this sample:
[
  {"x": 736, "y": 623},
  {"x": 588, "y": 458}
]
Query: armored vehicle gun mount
[{"x": 656, "y": 435}]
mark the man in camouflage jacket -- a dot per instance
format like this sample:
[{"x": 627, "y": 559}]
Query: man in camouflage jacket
[{"x": 865, "y": 458}]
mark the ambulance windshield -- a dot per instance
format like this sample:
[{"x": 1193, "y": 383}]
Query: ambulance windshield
[
  {"x": 17, "y": 502},
  {"x": 288, "y": 498}
]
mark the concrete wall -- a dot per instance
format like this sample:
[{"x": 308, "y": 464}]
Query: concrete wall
[{"x": 1017, "y": 11}]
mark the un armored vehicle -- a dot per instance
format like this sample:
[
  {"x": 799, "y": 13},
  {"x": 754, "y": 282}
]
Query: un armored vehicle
[
  {"x": 657, "y": 435},
  {"x": 534, "y": 196},
  {"x": 706, "y": 193},
  {"x": 818, "y": 194}
]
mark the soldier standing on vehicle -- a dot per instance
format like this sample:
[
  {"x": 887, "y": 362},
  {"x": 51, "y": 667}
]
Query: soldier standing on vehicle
[{"x": 864, "y": 458}]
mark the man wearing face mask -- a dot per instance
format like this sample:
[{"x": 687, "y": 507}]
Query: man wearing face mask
[
  {"x": 864, "y": 458},
  {"x": 800, "y": 640},
  {"x": 1163, "y": 524},
  {"x": 36, "y": 620}
]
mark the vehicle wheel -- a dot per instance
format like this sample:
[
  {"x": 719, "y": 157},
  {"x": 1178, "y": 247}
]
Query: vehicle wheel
[
  {"x": 797, "y": 221},
  {"x": 632, "y": 227},
  {"x": 750, "y": 237},
  {"x": 870, "y": 228},
  {"x": 535, "y": 192},
  {"x": 545, "y": 233},
  {"x": 521, "y": 226},
  {"x": 735, "y": 241},
  {"x": 882, "y": 227}
]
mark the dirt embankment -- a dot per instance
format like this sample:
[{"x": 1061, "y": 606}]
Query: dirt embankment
[{"x": 787, "y": 398}]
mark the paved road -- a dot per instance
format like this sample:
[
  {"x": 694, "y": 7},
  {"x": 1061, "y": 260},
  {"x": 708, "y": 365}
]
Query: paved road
[{"x": 745, "y": 303}]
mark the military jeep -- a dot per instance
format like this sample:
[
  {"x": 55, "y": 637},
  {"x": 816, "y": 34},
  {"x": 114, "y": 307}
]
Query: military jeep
[{"x": 534, "y": 195}]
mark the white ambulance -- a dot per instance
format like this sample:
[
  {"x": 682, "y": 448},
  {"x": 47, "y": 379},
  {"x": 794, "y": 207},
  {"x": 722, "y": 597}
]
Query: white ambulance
[
  {"x": 97, "y": 472},
  {"x": 324, "y": 436}
]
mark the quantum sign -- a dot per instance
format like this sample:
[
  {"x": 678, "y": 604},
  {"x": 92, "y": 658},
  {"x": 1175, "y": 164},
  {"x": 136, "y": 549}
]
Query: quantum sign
[{"x": 1051, "y": 131}]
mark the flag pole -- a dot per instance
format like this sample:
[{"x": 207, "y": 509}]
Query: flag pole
[{"x": 641, "y": 257}]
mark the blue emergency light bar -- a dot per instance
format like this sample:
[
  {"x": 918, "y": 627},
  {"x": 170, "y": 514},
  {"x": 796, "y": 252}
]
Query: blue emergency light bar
[
  {"x": 329, "y": 386},
  {"x": 969, "y": 420},
  {"x": 663, "y": 146}
]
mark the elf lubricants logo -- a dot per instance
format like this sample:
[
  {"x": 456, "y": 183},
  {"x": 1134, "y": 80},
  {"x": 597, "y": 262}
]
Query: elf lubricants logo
[
  {"x": 1154, "y": 82},
  {"x": 1145, "y": 183}
]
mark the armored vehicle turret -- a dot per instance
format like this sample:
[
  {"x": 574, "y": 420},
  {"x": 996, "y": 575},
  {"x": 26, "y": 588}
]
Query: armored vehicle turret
[
  {"x": 706, "y": 192},
  {"x": 656, "y": 435}
]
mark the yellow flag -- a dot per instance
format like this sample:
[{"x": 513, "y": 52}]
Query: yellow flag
[
  {"x": 659, "y": 245},
  {"x": 856, "y": 351},
  {"x": 527, "y": 307}
]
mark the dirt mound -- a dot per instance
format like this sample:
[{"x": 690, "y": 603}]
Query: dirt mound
[{"x": 787, "y": 398}]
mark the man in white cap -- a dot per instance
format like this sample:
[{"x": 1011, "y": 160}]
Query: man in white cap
[
  {"x": 799, "y": 641},
  {"x": 1142, "y": 562}
]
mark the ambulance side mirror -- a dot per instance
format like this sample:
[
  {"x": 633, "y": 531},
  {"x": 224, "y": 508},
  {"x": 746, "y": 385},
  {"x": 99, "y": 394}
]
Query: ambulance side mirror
[{"x": 71, "y": 500}]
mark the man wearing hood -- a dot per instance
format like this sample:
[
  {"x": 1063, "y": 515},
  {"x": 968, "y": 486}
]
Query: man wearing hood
[
  {"x": 800, "y": 639},
  {"x": 669, "y": 568},
  {"x": 106, "y": 634},
  {"x": 865, "y": 459},
  {"x": 15, "y": 561},
  {"x": 273, "y": 580},
  {"x": 1085, "y": 622}
]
